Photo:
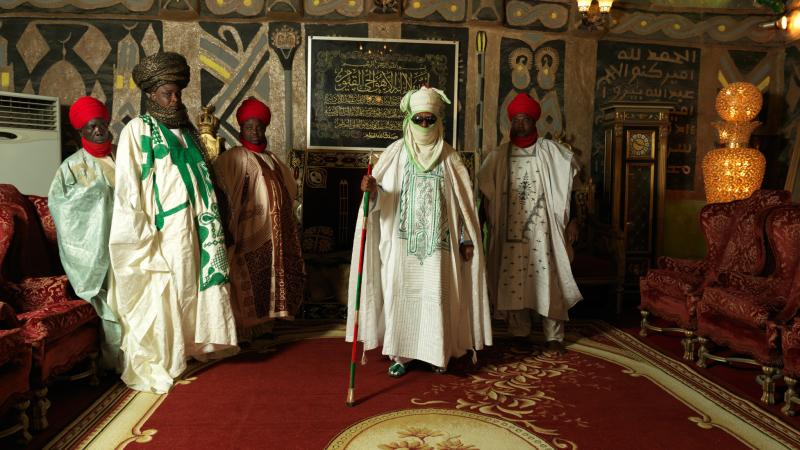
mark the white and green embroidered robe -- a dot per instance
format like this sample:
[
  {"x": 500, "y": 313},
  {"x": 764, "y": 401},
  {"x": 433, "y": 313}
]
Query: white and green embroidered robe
[
  {"x": 80, "y": 200},
  {"x": 420, "y": 299},
  {"x": 527, "y": 196},
  {"x": 168, "y": 256}
]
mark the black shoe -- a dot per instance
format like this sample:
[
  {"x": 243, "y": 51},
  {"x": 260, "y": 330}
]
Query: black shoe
[
  {"x": 555, "y": 347},
  {"x": 438, "y": 370}
]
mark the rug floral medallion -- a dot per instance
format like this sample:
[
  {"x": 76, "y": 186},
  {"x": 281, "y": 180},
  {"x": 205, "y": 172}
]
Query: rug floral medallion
[
  {"x": 610, "y": 390},
  {"x": 444, "y": 429}
]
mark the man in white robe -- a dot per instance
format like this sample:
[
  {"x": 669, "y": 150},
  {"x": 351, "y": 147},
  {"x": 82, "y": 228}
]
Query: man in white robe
[
  {"x": 526, "y": 187},
  {"x": 423, "y": 289},
  {"x": 81, "y": 200},
  {"x": 267, "y": 270},
  {"x": 167, "y": 243}
]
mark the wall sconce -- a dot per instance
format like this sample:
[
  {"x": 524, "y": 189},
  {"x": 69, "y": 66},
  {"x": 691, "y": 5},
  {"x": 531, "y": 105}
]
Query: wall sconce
[
  {"x": 594, "y": 13},
  {"x": 781, "y": 24},
  {"x": 734, "y": 171}
]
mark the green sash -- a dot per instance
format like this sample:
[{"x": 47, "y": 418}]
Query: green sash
[{"x": 191, "y": 166}]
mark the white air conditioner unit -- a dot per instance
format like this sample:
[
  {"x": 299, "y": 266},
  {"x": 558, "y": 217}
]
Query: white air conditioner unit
[{"x": 30, "y": 141}]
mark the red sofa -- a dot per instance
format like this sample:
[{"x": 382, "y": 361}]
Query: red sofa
[{"x": 61, "y": 329}]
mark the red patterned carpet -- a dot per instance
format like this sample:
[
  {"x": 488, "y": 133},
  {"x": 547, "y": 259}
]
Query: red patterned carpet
[{"x": 609, "y": 391}]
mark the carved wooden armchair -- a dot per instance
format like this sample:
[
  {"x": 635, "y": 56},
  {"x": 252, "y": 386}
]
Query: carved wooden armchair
[
  {"x": 735, "y": 243},
  {"x": 62, "y": 330},
  {"x": 598, "y": 255},
  {"x": 744, "y": 312}
]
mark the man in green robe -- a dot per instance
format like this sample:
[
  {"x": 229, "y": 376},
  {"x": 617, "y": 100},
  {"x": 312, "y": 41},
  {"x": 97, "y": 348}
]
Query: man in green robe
[{"x": 167, "y": 244}]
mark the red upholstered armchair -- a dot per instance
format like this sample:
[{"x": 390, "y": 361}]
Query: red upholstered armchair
[
  {"x": 743, "y": 312},
  {"x": 15, "y": 369},
  {"x": 735, "y": 242},
  {"x": 61, "y": 329}
]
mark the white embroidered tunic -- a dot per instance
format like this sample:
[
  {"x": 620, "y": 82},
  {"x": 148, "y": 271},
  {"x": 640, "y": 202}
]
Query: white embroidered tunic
[
  {"x": 420, "y": 299},
  {"x": 527, "y": 195}
]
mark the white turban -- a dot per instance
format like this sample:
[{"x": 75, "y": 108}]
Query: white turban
[
  {"x": 425, "y": 99},
  {"x": 424, "y": 145}
]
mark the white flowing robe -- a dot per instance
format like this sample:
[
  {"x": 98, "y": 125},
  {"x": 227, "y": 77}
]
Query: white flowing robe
[
  {"x": 81, "y": 200},
  {"x": 419, "y": 298},
  {"x": 527, "y": 197},
  {"x": 168, "y": 257}
]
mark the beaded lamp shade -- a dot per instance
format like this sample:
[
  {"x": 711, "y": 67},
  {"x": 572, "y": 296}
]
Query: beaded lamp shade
[
  {"x": 734, "y": 171},
  {"x": 738, "y": 102}
]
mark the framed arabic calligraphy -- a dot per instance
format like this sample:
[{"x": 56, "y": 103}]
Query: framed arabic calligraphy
[
  {"x": 652, "y": 74},
  {"x": 355, "y": 86}
]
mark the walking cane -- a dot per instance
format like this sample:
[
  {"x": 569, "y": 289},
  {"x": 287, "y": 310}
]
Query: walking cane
[{"x": 351, "y": 391}]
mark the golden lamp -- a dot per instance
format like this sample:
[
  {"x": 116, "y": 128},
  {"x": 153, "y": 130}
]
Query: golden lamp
[{"x": 734, "y": 171}]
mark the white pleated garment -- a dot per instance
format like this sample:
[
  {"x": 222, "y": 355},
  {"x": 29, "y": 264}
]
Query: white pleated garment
[
  {"x": 171, "y": 283},
  {"x": 420, "y": 300}
]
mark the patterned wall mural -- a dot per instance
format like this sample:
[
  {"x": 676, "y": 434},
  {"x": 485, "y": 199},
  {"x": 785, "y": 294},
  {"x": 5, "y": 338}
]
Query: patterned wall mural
[
  {"x": 754, "y": 67},
  {"x": 535, "y": 67},
  {"x": 791, "y": 77},
  {"x": 536, "y": 15},
  {"x": 68, "y": 59},
  {"x": 745, "y": 4},
  {"x": 233, "y": 60},
  {"x": 184, "y": 6},
  {"x": 436, "y": 10},
  {"x": 791, "y": 126},
  {"x": 488, "y": 10},
  {"x": 334, "y": 9},
  {"x": 95, "y": 6},
  {"x": 242, "y": 50},
  {"x": 671, "y": 26}
]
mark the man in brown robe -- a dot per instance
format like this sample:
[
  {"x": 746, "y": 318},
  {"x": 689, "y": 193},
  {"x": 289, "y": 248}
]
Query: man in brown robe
[{"x": 267, "y": 270}]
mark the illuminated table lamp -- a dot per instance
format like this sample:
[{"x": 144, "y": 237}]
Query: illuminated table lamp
[{"x": 736, "y": 170}]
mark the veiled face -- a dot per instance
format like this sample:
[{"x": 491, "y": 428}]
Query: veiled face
[
  {"x": 521, "y": 125},
  {"x": 254, "y": 131},
  {"x": 96, "y": 130},
  {"x": 167, "y": 95}
]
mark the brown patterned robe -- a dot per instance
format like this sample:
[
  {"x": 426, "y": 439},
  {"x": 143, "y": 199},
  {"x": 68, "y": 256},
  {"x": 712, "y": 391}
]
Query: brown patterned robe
[{"x": 267, "y": 271}]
